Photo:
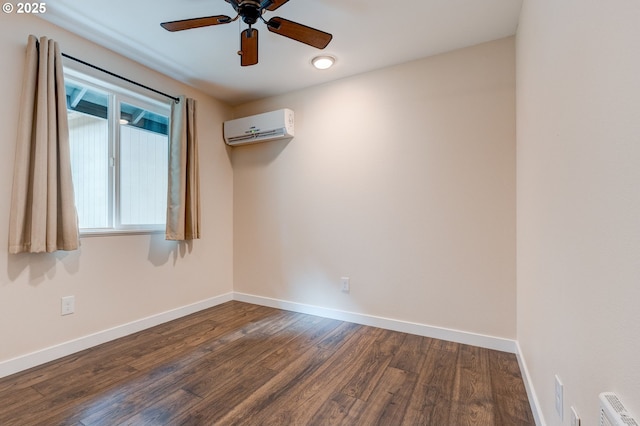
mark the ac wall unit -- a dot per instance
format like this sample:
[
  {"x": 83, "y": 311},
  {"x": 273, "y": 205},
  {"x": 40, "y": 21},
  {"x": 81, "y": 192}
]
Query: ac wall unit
[
  {"x": 260, "y": 128},
  {"x": 613, "y": 413}
]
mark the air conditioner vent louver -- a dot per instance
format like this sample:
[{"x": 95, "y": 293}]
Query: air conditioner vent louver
[
  {"x": 270, "y": 134},
  {"x": 612, "y": 411}
]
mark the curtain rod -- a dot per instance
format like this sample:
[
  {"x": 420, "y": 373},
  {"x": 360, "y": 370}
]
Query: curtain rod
[{"x": 176, "y": 100}]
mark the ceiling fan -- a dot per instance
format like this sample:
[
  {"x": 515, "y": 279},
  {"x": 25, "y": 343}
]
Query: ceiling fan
[{"x": 251, "y": 11}]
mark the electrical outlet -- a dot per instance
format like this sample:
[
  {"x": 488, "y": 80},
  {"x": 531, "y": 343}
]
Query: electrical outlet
[
  {"x": 346, "y": 284},
  {"x": 559, "y": 397},
  {"x": 68, "y": 305},
  {"x": 575, "y": 419}
]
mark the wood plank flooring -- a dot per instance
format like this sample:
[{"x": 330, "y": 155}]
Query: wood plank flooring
[{"x": 243, "y": 364}]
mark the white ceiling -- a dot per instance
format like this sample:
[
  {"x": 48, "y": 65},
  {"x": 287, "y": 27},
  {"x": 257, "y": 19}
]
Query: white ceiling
[{"x": 367, "y": 35}]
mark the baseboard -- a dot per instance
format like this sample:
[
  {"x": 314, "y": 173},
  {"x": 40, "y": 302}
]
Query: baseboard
[
  {"x": 34, "y": 359},
  {"x": 484, "y": 341},
  {"x": 531, "y": 392}
]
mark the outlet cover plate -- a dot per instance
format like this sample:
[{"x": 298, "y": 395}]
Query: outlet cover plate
[
  {"x": 67, "y": 305},
  {"x": 346, "y": 284},
  {"x": 575, "y": 418},
  {"x": 559, "y": 397}
]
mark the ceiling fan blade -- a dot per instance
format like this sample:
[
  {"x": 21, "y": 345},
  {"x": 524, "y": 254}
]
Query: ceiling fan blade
[
  {"x": 187, "y": 24},
  {"x": 299, "y": 32},
  {"x": 249, "y": 47},
  {"x": 273, "y": 4}
]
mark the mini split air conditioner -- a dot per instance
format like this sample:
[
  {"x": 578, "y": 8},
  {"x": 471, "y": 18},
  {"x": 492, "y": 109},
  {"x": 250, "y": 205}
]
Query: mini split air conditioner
[{"x": 260, "y": 128}]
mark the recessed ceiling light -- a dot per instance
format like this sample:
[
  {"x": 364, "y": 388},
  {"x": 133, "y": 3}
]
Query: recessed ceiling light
[{"x": 323, "y": 62}]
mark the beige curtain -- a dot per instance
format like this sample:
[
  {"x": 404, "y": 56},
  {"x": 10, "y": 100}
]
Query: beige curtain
[
  {"x": 43, "y": 214},
  {"x": 183, "y": 201}
]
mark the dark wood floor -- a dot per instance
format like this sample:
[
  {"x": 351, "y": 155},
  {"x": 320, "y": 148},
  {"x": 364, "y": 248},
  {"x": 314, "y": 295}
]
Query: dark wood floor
[{"x": 243, "y": 364}]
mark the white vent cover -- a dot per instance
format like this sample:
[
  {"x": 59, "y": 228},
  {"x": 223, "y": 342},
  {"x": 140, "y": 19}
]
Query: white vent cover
[{"x": 613, "y": 413}]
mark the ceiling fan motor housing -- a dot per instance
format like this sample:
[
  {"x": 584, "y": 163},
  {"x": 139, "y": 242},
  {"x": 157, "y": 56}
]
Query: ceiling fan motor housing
[{"x": 250, "y": 11}]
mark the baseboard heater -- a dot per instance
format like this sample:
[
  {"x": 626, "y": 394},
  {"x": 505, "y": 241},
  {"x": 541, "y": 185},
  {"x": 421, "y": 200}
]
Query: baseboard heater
[{"x": 613, "y": 413}]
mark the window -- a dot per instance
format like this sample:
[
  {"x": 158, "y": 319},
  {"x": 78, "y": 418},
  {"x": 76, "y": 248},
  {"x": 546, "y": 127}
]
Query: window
[{"x": 119, "y": 156}]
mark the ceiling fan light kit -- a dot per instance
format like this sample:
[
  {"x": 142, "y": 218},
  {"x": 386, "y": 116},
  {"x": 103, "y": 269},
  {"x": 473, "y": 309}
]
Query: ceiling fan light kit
[{"x": 251, "y": 11}]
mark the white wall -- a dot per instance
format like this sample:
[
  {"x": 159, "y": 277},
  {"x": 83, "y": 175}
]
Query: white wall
[
  {"x": 578, "y": 201},
  {"x": 115, "y": 279},
  {"x": 402, "y": 179}
]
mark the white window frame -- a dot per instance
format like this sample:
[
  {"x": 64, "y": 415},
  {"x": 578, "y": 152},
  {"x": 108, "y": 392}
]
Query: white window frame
[{"x": 117, "y": 95}]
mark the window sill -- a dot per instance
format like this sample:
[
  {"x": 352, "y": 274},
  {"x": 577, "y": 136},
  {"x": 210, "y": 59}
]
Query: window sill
[{"x": 116, "y": 232}]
